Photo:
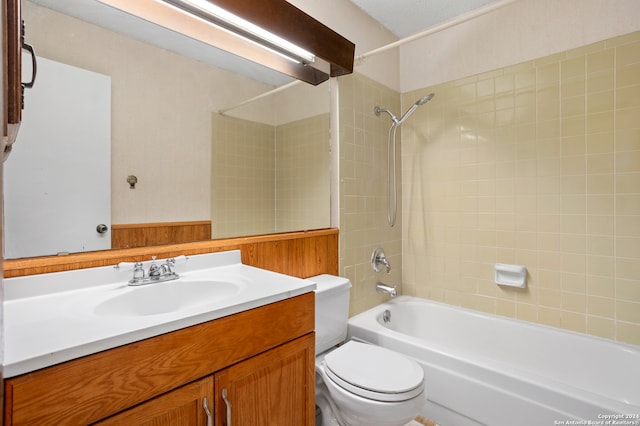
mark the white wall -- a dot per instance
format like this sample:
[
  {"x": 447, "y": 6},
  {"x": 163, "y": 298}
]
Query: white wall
[
  {"x": 298, "y": 101},
  {"x": 169, "y": 154},
  {"x": 521, "y": 31}
]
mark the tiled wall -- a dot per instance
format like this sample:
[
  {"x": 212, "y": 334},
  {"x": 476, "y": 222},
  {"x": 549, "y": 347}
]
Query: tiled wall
[
  {"x": 302, "y": 174},
  {"x": 363, "y": 188},
  {"x": 536, "y": 164},
  {"x": 242, "y": 177},
  {"x": 267, "y": 178}
]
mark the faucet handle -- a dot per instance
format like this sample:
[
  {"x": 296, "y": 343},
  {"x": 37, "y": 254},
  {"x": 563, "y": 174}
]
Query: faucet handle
[
  {"x": 138, "y": 271},
  {"x": 378, "y": 258},
  {"x": 168, "y": 265},
  {"x": 154, "y": 269}
]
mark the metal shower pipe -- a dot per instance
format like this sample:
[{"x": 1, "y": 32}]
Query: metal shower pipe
[{"x": 391, "y": 159}]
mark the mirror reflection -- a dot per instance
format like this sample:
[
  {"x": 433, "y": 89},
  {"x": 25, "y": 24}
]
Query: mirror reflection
[{"x": 256, "y": 169}]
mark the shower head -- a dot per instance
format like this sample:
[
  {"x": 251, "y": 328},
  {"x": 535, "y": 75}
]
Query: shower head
[{"x": 423, "y": 100}]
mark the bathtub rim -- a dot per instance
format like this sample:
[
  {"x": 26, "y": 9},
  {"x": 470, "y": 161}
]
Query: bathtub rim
[
  {"x": 524, "y": 323},
  {"x": 368, "y": 318}
]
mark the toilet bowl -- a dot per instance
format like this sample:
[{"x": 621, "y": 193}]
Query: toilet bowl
[
  {"x": 370, "y": 385},
  {"x": 359, "y": 383}
]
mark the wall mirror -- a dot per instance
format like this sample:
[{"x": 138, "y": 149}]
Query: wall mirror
[{"x": 256, "y": 169}]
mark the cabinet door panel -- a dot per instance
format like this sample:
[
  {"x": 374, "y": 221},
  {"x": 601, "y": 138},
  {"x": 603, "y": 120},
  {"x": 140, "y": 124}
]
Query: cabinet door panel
[
  {"x": 13, "y": 61},
  {"x": 11, "y": 71},
  {"x": 276, "y": 388},
  {"x": 181, "y": 407}
]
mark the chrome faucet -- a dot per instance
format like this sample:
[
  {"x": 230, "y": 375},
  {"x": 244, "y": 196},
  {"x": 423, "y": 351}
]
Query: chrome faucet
[
  {"x": 384, "y": 288},
  {"x": 378, "y": 258},
  {"x": 156, "y": 274}
]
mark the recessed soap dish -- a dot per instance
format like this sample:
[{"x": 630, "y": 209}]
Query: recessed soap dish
[{"x": 511, "y": 275}]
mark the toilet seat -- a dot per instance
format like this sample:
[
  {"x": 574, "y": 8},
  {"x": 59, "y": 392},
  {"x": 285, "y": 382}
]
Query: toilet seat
[{"x": 374, "y": 372}]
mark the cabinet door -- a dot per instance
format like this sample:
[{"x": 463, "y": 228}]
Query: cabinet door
[
  {"x": 275, "y": 388},
  {"x": 12, "y": 72},
  {"x": 181, "y": 407},
  {"x": 14, "y": 61}
]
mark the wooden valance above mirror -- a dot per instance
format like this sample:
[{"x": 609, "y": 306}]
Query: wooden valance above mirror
[{"x": 334, "y": 54}]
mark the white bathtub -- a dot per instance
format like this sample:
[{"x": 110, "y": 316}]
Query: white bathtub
[{"x": 486, "y": 369}]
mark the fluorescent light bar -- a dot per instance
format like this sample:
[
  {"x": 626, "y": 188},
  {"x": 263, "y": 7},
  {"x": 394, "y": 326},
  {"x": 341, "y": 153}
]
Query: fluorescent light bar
[{"x": 241, "y": 27}]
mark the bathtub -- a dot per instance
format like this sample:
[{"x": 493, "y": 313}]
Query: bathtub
[{"x": 486, "y": 369}]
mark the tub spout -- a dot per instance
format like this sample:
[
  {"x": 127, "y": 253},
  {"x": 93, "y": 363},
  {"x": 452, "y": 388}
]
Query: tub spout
[{"x": 384, "y": 288}]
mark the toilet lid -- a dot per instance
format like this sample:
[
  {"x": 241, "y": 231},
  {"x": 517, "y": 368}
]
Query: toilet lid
[{"x": 374, "y": 372}]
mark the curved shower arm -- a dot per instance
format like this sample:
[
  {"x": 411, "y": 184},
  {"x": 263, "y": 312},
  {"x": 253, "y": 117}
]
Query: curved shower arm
[{"x": 377, "y": 110}]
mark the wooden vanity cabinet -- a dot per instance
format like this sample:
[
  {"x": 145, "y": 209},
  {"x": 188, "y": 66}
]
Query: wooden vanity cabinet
[
  {"x": 12, "y": 70},
  {"x": 269, "y": 389},
  {"x": 181, "y": 407},
  {"x": 263, "y": 357}
]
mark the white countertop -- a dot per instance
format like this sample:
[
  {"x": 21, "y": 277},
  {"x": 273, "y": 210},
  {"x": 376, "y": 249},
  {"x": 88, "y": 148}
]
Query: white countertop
[{"x": 51, "y": 318}]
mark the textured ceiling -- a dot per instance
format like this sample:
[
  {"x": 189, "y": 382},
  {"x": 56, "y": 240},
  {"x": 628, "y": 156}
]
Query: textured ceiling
[{"x": 407, "y": 17}]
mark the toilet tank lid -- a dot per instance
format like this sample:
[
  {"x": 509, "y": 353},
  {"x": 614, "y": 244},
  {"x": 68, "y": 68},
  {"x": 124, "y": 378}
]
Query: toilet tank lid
[{"x": 328, "y": 283}]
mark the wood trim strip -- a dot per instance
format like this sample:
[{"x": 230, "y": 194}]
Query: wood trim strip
[
  {"x": 301, "y": 254},
  {"x": 159, "y": 224},
  {"x": 91, "y": 388},
  {"x": 153, "y": 234}
]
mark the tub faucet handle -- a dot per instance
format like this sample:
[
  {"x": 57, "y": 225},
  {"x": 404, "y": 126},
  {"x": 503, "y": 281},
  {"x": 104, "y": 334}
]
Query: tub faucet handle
[{"x": 378, "y": 258}]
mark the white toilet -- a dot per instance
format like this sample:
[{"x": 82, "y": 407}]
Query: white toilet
[{"x": 359, "y": 383}]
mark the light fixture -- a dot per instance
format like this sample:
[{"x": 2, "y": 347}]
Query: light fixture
[
  {"x": 273, "y": 33},
  {"x": 243, "y": 28}
]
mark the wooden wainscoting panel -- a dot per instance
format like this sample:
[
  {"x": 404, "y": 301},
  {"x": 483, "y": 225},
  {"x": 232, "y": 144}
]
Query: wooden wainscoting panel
[
  {"x": 153, "y": 234},
  {"x": 302, "y": 257},
  {"x": 300, "y": 254}
]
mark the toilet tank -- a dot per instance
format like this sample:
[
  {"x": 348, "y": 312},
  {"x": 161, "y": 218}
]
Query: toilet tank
[{"x": 332, "y": 310}]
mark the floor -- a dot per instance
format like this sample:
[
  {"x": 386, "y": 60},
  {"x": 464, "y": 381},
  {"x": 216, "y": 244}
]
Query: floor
[{"x": 421, "y": 421}]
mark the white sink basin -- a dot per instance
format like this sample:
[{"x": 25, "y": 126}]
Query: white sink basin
[
  {"x": 97, "y": 309},
  {"x": 166, "y": 297}
]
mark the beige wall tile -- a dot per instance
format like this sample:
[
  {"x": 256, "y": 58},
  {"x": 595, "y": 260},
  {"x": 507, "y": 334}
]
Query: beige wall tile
[
  {"x": 242, "y": 184},
  {"x": 628, "y": 332},
  {"x": 628, "y": 311},
  {"x": 363, "y": 192},
  {"x": 250, "y": 194},
  {"x": 551, "y": 317},
  {"x": 537, "y": 163},
  {"x": 573, "y": 321},
  {"x": 627, "y": 54},
  {"x": 627, "y": 290},
  {"x": 601, "y": 327},
  {"x": 302, "y": 172}
]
